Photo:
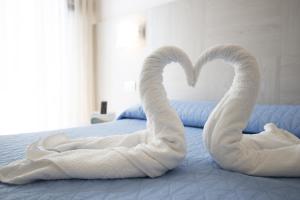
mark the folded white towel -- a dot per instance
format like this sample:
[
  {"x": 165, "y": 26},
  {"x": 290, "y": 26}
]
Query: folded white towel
[
  {"x": 150, "y": 152},
  {"x": 273, "y": 152}
]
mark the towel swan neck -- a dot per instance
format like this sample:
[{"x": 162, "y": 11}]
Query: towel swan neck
[
  {"x": 241, "y": 95},
  {"x": 273, "y": 152},
  {"x": 152, "y": 92}
]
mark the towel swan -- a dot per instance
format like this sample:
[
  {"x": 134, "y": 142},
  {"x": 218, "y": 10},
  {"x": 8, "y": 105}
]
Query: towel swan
[
  {"x": 149, "y": 152},
  {"x": 273, "y": 152}
]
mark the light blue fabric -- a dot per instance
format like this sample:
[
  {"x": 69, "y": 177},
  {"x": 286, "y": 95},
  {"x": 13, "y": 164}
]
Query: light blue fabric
[
  {"x": 195, "y": 114},
  {"x": 191, "y": 113},
  {"x": 284, "y": 116},
  {"x": 198, "y": 177}
]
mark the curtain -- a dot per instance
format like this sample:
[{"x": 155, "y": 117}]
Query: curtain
[{"x": 46, "y": 64}]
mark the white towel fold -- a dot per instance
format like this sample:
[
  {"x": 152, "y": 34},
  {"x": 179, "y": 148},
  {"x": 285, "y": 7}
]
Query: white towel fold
[
  {"x": 273, "y": 152},
  {"x": 149, "y": 152}
]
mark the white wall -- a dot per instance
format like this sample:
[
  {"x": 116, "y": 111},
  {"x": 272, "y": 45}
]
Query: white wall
[{"x": 269, "y": 29}]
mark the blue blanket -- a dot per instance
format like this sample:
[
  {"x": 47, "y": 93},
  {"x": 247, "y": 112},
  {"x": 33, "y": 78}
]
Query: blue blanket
[{"x": 198, "y": 177}]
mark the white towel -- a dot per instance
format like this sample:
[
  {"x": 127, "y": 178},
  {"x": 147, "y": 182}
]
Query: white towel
[
  {"x": 149, "y": 152},
  {"x": 273, "y": 152}
]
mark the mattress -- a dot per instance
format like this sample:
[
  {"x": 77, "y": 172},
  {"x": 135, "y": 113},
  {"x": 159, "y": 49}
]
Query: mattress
[{"x": 198, "y": 177}]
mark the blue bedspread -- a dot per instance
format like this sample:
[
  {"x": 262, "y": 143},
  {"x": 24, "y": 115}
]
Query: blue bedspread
[{"x": 198, "y": 177}]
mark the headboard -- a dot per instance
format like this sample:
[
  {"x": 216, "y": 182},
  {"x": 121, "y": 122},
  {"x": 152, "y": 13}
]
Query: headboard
[{"x": 268, "y": 29}]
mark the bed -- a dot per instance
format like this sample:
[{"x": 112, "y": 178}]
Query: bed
[{"x": 198, "y": 177}]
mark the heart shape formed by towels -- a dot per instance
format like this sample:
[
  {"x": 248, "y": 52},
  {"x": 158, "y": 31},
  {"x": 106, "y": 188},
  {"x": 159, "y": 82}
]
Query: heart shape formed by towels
[
  {"x": 161, "y": 146},
  {"x": 274, "y": 152}
]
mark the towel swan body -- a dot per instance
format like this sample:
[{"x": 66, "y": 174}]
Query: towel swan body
[
  {"x": 149, "y": 152},
  {"x": 273, "y": 152}
]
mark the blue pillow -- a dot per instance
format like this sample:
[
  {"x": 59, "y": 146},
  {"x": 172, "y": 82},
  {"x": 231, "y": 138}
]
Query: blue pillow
[
  {"x": 134, "y": 112},
  {"x": 284, "y": 116},
  {"x": 195, "y": 114}
]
